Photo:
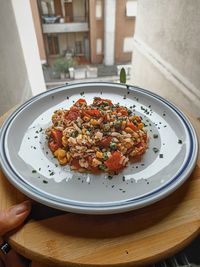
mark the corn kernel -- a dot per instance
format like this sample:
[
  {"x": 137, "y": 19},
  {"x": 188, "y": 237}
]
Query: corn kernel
[
  {"x": 86, "y": 118},
  {"x": 99, "y": 154},
  {"x": 137, "y": 118},
  {"x": 63, "y": 161},
  {"x": 94, "y": 122},
  {"x": 60, "y": 153},
  {"x": 123, "y": 124},
  {"x": 140, "y": 125}
]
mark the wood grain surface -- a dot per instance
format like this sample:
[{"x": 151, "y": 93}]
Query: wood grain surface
[{"x": 135, "y": 238}]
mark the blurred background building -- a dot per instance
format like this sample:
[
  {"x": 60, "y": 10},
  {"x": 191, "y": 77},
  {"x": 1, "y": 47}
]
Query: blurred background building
[
  {"x": 46, "y": 43},
  {"x": 92, "y": 31}
]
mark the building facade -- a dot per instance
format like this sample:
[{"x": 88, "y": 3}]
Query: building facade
[{"x": 95, "y": 31}]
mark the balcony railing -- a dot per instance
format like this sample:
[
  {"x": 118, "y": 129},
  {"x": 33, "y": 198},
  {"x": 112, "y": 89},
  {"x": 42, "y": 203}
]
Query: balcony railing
[
  {"x": 65, "y": 27},
  {"x": 58, "y": 19}
]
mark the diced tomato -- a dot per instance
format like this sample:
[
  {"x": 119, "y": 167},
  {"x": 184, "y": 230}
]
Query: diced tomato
[
  {"x": 92, "y": 112},
  {"x": 113, "y": 163},
  {"x": 74, "y": 109},
  {"x": 75, "y": 163},
  {"x": 57, "y": 137},
  {"x": 105, "y": 142},
  {"x": 53, "y": 146},
  {"x": 73, "y": 114},
  {"x": 80, "y": 102},
  {"x": 123, "y": 111},
  {"x": 56, "y": 141},
  {"x": 95, "y": 169},
  {"x": 132, "y": 126},
  {"x": 99, "y": 101}
]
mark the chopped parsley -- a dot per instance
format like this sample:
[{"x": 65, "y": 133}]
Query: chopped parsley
[
  {"x": 102, "y": 167},
  {"x": 155, "y": 149},
  {"x": 113, "y": 145},
  {"x": 155, "y": 136}
]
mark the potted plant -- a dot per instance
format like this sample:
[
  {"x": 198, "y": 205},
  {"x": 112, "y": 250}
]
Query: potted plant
[{"x": 62, "y": 65}]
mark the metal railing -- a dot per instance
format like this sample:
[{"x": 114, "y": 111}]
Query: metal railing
[
  {"x": 189, "y": 257},
  {"x": 58, "y": 19}
]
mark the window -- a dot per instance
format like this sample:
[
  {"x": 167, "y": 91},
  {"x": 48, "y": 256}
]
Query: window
[
  {"x": 53, "y": 46},
  {"x": 128, "y": 44},
  {"x": 99, "y": 46},
  {"x": 131, "y": 8},
  {"x": 47, "y": 8},
  {"x": 78, "y": 47},
  {"x": 98, "y": 9}
]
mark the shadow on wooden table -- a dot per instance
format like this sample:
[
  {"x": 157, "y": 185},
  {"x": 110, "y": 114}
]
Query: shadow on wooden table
[{"x": 114, "y": 225}]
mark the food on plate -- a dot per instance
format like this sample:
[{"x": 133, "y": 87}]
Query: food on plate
[{"x": 100, "y": 137}]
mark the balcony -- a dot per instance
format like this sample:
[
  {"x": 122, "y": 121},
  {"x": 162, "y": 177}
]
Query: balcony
[
  {"x": 65, "y": 27},
  {"x": 55, "y": 24}
]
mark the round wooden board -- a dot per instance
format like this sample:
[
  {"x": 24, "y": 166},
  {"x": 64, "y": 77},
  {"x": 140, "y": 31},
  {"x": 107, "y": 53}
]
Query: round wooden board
[{"x": 135, "y": 238}]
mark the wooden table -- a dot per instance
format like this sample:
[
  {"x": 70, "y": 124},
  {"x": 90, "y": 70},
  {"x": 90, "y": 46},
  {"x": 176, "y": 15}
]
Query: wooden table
[{"x": 135, "y": 238}]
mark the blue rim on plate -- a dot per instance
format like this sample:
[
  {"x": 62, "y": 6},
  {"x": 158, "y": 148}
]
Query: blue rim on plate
[{"x": 101, "y": 208}]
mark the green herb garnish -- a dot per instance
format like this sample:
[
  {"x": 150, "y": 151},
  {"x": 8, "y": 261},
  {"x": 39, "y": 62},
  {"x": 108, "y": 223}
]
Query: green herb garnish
[
  {"x": 155, "y": 149},
  {"x": 113, "y": 145},
  {"x": 74, "y": 134},
  {"x": 102, "y": 167}
]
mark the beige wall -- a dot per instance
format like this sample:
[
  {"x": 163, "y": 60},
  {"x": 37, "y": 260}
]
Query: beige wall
[
  {"x": 14, "y": 86},
  {"x": 38, "y": 30},
  {"x": 79, "y": 10},
  {"x": 125, "y": 27},
  {"x": 167, "y": 37},
  {"x": 96, "y": 31}
]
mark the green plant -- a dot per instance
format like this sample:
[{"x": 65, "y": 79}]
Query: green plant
[
  {"x": 62, "y": 64},
  {"x": 122, "y": 75}
]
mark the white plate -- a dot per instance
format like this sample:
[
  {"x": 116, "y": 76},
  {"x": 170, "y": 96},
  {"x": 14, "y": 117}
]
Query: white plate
[{"x": 24, "y": 150}]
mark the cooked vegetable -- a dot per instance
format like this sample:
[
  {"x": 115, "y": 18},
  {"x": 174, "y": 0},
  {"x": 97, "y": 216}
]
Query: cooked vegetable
[{"x": 100, "y": 137}]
